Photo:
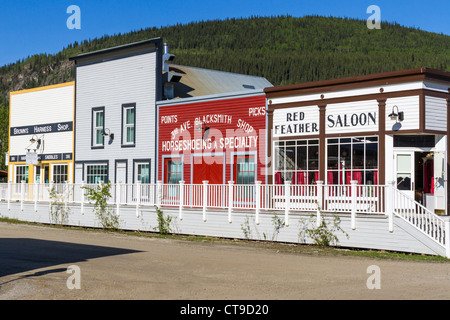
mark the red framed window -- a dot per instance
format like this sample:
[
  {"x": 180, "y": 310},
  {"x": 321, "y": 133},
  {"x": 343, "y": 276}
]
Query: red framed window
[
  {"x": 244, "y": 169},
  {"x": 173, "y": 171}
]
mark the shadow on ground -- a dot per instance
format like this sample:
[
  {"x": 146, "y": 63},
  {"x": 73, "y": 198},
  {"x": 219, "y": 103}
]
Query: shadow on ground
[{"x": 25, "y": 255}]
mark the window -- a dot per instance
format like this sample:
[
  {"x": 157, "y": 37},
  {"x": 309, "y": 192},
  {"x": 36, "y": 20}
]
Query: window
[
  {"x": 37, "y": 174},
  {"x": 297, "y": 161},
  {"x": 98, "y": 127},
  {"x": 173, "y": 174},
  {"x": 96, "y": 173},
  {"x": 352, "y": 159},
  {"x": 173, "y": 171},
  {"x": 128, "y": 124},
  {"x": 244, "y": 168},
  {"x": 21, "y": 174},
  {"x": 60, "y": 173},
  {"x": 143, "y": 172}
]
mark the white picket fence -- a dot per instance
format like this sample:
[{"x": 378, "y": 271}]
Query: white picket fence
[{"x": 319, "y": 198}]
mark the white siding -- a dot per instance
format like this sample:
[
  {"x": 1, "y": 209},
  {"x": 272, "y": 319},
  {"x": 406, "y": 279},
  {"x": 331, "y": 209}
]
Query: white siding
[
  {"x": 111, "y": 84},
  {"x": 47, "y": 106},
  {"x": 411, "y": 108},
  {"x": 372, "y": 232},
  {"x": 435, "y": 113},
  {"x": 44, "y": 106},
  {"x": 342, "y": 114}
]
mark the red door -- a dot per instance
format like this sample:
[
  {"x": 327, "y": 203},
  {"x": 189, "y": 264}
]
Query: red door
[{"x": 207, "y": 168}]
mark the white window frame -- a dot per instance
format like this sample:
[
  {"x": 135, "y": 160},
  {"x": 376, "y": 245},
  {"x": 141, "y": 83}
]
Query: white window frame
[
  {"x": 96, "y": 129},
  {"x": 59, "y": 174},
  {"x": 126, "y": 125},
  {"x": 20, "y": 167},
  {"x": 97, "y": 173},
  {"x": 136, "y": 175}
]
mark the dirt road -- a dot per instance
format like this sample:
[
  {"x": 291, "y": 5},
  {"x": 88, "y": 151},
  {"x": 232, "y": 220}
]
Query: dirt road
[{"x": 34, "y": 261}]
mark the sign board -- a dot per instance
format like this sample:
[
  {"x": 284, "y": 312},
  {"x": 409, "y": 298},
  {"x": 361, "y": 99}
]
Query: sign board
[
  {"x": 348, "y": 117},
  {"x": 31, "y": 158},
  {"x": 41, "y": 129},
  {"x": 296, "y": 121}
]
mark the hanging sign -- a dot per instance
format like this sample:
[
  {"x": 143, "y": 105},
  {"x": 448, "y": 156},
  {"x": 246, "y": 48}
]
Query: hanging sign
[{"x": 31, "y": 158}]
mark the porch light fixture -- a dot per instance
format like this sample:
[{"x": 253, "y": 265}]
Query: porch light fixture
[
  {"x": 206, "y": 134},
  {"x": 106, "y": 134},
  {"x": 397, "y": 115},
  {"x": 35, "y": 139}
]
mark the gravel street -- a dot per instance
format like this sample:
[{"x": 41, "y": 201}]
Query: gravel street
[{"x": 34, "y": 262}]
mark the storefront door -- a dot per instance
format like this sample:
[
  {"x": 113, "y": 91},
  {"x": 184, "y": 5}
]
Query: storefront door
[
  {"x": 46, "y": 173},
  {"x": 404, "y": 172},
  {"x": 207, "y": 168},
  {"x": 439, "y": 183}
]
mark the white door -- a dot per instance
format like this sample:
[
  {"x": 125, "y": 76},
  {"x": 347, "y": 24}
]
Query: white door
[
  {"x": 78, "y": 173},
  {"x": 439, "y": 180},
  {"x": 121, "y": 172},
  {"x": 404, "y": 172}
]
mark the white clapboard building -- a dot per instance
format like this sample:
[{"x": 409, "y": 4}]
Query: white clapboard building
[
  {"x": 41, "y": 135},
  {"x": 115, "y": 116}
]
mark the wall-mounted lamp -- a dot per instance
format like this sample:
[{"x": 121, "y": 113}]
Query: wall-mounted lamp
[
  {"x": 35, "y": 139},
  {"x": 107, "y": 133},
  {"x": 400, "y": 116},
  {"x": 206, "y": 134}
]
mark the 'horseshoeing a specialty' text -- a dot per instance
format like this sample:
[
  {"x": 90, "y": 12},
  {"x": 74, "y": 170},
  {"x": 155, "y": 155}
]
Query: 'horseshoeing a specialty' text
[{"x": 208, "y": 144}]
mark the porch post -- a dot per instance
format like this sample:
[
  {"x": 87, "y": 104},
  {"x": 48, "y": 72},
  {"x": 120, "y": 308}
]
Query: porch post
[
  {"x": 447, "y": 239},
  {"x": 389, "y": 198},
  {"x": 50, "y": 199},
  {"x": 319, "y": 202},
  {"x": 353, "y": 197},
  {"x": 118, "y": 191},
  {"x": 22, "y": 194},
  {"x": 66, "y": 194},
  {"x": 258, "y": 201},
  {"x": 287, "y": 201},
  {"x": 181, "y": 199},
  {"x": 230, "y": 199},
  {"x": 158, "y": 194},
  {"x": 35, "y": 187},
  {"x": 382, "y": 140},
  {"x": 9, "y": 194},
  {"x": 82, "y": 197},
  {"x": 205, "y": 199},
  {"x": 138, "y": 197}
]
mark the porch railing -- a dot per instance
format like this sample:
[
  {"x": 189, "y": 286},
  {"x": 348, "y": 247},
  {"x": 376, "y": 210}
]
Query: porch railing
[
  {"x": 319, "y": 198},
  {"x": 423, "y": 219},
  {"x": 260, "y": 197}
]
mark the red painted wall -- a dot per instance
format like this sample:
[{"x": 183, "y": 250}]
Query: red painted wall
[{"x": 236, "y": 125}]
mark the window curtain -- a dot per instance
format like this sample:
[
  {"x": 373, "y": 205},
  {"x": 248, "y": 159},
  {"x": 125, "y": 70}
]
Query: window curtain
[
  {"x": 426, "y": 188},
  {"x": 278, "y": 178}
]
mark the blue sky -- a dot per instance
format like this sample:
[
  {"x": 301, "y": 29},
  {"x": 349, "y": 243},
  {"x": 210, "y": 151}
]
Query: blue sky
[{"x": 30, "y": 27}]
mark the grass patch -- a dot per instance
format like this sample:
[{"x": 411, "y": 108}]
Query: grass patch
[{"x": 277, "y": 247}]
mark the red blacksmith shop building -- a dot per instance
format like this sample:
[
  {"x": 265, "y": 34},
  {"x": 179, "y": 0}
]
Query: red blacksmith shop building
[{"x": 216, "y": 138}]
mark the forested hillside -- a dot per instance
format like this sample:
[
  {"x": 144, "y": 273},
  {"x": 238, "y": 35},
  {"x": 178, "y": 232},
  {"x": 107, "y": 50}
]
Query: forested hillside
[{"x": 282, "y": 49}]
